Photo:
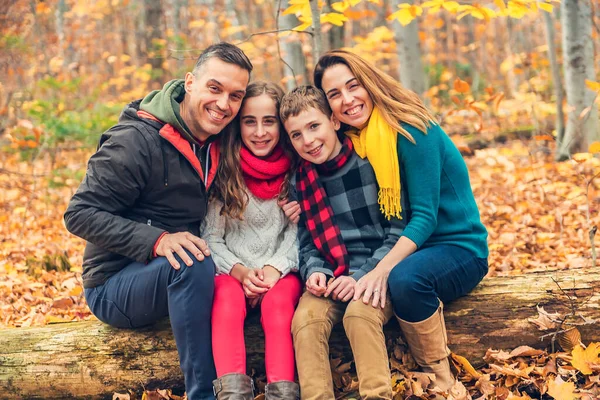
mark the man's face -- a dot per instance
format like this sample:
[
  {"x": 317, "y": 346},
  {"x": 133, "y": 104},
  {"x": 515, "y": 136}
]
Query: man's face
[{"x": 213, "y": 97}]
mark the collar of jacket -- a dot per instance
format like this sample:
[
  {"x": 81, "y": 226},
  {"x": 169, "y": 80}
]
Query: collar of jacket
[{"x": 169, "y": 133}]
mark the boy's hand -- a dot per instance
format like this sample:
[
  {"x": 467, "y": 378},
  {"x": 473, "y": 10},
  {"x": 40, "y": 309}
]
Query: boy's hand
[
  {"x": 317, "y": 283},
  {"x": 342, "y": 288},
  {"x": 271, "y": 275},
  {"x": 291, "y": 210}
]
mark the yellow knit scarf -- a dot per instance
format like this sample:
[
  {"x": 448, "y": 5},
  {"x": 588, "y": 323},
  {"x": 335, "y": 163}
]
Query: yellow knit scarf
[{"x": 377, "y": 142}]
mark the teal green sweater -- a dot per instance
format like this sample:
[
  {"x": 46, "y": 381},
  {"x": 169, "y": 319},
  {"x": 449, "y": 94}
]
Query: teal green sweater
[{"x": 442, "y": 205}]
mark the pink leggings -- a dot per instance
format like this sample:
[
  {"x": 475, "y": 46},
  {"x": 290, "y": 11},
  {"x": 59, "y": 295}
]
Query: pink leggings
[{"x": 277, "y": 309}]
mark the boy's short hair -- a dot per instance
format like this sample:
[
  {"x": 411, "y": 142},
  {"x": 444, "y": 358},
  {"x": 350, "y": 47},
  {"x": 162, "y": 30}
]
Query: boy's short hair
[{"x": 301, "y": 99}]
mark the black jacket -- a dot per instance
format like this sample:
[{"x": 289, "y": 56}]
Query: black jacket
[{"x": 144, "y": 180}]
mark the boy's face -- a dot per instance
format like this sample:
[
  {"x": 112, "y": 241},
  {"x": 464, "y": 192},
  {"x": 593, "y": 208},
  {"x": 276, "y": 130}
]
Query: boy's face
[{"x": 314, "y": 136}]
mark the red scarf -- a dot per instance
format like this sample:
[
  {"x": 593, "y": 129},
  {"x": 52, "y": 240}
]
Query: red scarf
[
  {"x": 318, "y": 214},
  {"x": 264, "y": 176}
]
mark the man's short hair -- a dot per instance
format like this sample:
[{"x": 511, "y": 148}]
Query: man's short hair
[
  {"x": 301, "y": 99},
  {"x": 226, "y": 52}
]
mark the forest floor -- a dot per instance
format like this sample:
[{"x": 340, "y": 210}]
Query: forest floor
[{"x": 539, "y": 215}]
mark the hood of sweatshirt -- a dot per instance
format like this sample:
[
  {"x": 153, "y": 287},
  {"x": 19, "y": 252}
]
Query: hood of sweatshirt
[{"x": 165, "y": 104}]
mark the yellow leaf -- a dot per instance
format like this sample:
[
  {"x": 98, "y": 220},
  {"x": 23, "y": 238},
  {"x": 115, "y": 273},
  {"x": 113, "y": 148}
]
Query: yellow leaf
[
  {"x": 451, "y": 6},
  {"x": 594, "y": 148},
  {"x": 76, "y": 291},
  {"x": 306, "y": 23},
  {"x": 581, "y": 157},
  {"x": 595, "y": 86},
  {"x": 298, "y": 7},
  {"x": 546, "y": 7},
  {"x": 403, "y": 16},
  {"x": 516, "y": 9},
  {"x": 334, "y": 19},
  {"x": 500, "y": 4},
  {"x": 466, "y": 365},
  {"x": 583, "y": 359},
  {"x": 340, "y": 6},
  {"x": 561, "y": 390}
]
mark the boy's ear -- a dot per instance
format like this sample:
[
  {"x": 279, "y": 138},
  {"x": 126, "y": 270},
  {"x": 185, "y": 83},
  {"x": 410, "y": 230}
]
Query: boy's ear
[{"x": 336, "y": 123}]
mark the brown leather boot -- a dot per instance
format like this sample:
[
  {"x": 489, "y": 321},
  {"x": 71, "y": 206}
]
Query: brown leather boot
[
  {"x": 282, "y": 390},
  {"x": 234, "y": 387},
  {"x": 428, "y": 344}
]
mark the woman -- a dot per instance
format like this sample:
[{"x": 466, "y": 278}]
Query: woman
[{"x": 442, "y": 253}]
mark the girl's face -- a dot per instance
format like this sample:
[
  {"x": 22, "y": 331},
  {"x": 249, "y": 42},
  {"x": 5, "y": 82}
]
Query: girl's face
[
  {"x": 259, "y": 125},
  {"x": 348, "y": 99}
]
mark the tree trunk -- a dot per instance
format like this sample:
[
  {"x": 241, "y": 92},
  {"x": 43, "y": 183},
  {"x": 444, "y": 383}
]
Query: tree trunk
[
  {"x": 408, "y": 45},
  {"x": 92, "y": 360},
  {"x": 556, "y": 79},
  {"x": 154, "y": 29},
  {"x": 335, "y": 35},
  {"x": 578, "y": 56},
  {"x": 60, "y": 28},
  {"x": 316, "y": 25},
  {"x": 510, "y": 77},
  {"x": 294, "y": 64}
]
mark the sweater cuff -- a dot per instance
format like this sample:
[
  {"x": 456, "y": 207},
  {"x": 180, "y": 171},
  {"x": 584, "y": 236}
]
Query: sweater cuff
[
  {"x": 356, "y": 275},
  {"x": 154, "y": 255}
]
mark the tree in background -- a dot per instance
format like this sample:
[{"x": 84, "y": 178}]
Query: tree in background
[{"x": 578, "y": 63}]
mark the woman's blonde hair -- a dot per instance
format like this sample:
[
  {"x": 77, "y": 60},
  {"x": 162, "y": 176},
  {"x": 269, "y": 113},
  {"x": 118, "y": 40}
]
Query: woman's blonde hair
[
  {"x": 396, "y": 103},
  {"x": 229, "y": 186}
]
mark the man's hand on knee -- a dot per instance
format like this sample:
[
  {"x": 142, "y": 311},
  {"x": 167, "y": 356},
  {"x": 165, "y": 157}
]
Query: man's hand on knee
[{"x": 177, "y": 243}]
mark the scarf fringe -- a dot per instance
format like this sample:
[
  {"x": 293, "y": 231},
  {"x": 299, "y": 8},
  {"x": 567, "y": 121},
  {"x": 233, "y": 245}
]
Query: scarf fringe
[{"x": 389, "y": 202}]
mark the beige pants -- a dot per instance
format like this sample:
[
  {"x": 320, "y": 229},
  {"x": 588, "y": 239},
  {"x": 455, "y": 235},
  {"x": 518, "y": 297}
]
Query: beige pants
[{"x": 311, "y": 328}]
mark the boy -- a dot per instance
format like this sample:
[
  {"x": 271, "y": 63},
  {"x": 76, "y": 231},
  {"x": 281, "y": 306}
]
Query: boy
[{"x": 343, "y": 235}]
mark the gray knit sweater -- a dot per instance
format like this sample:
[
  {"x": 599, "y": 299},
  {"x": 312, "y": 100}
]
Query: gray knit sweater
[{"x": 264, "y": 237}]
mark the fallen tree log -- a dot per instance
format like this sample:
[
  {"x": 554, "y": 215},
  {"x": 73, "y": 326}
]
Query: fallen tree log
[{"x": 92, "y": 360}]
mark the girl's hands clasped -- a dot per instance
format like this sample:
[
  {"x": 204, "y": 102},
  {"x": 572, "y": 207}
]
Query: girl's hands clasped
[
  {"x": 372, "y": 287},
  {"x": 252, "y": 280}
]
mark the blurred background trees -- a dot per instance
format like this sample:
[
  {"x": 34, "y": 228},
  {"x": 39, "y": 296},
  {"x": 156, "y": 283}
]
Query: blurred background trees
[{"x": 486, "y": 69}]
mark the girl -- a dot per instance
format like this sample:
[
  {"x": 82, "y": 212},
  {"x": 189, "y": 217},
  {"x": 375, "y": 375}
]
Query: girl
[
  {"x": 254, "y": 248},
  {"x": 442, "y": 253}
]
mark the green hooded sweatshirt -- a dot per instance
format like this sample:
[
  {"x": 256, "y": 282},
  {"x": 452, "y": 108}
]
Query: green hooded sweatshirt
[{"x": 165, "y": 105}]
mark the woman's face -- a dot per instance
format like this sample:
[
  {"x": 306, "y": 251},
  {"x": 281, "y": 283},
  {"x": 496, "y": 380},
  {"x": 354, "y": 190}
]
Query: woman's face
[
  {"x": 259, "y": 125},
  {"x": 348, "y": 99}
]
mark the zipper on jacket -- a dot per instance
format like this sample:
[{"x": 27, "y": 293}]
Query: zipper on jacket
[
  {"x": 207, "y": 161},
  {"x": 165, "y": 168}
]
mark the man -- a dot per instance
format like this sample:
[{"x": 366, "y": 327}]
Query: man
[{"x": 141, "y": 204}]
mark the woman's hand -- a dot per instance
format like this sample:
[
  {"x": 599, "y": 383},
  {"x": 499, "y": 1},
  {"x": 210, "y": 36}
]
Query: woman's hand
[
  {"x": 271, "y": 275},
  {"x": 291, "y": 210},
  {"x": 372, "y": 287},
  {"x": 342, "y": 288},
  {"x": 317, "y": 283}
]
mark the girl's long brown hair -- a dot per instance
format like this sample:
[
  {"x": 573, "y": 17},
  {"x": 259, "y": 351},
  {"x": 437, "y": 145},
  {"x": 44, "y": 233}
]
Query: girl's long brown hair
[
  {"x": 229, "y": 186},
  {"x": 396, "y": 103}
]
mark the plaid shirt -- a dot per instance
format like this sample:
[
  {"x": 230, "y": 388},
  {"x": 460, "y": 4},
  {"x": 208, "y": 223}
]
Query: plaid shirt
[{"x": 367, "y": 234}]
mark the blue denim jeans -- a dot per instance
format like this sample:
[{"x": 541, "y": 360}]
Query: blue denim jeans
[
  {"x": 443, "y": 272},
  {"x": 141, "y": 294}
]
